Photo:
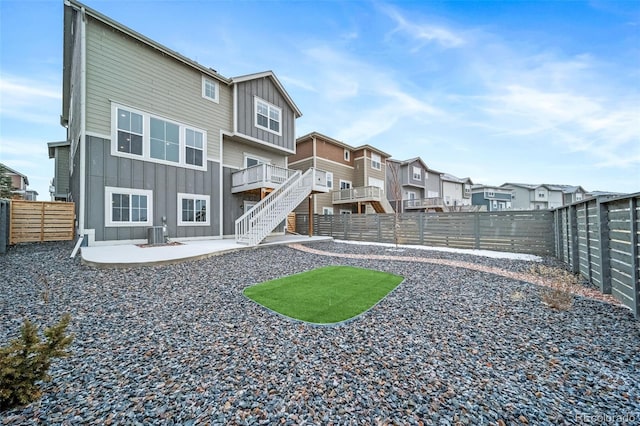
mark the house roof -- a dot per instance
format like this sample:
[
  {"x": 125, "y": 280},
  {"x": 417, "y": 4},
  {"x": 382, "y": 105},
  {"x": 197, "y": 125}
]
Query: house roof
[
  {"x": 566, "y": 189},
  {"x": 210, "y": 72},
  {"x": 272, "y": 76},
  {"x": 9, "y": 170},
  {"x": 53, "y": 145},
  {"x": 483, "y": 187},
  {"x": 451, "y": 178},
  {"x": 340, "y": 143}
]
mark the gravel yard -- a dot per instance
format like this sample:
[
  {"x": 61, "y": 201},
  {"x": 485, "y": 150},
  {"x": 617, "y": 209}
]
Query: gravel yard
[{"x": 180, "y": 344}]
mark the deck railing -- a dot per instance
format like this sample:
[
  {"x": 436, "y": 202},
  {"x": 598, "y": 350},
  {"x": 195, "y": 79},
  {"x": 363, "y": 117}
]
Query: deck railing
[
  {"x": 260, "y": 175},
  {"x": 360, "y": 193}
]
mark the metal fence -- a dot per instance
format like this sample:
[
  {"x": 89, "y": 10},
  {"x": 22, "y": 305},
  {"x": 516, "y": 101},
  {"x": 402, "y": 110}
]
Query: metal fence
[
  {"x": 599, "y": 238},
  {"x": 518, "y": 231}
]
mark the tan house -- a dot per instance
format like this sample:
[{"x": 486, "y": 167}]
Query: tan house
[
  {"x": 355, "y": 175},
  {"x": 19, "y": 185}
]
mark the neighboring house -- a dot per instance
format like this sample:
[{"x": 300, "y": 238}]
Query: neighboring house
[
  {"x": 355, "y": 175},
  {"x": 456, "y": 192},
  {"x": 534, "y": 197},
  {"x": 157, "y": 138},
  {"x": 491, "y": 198},
  {"x": 60, "y": 187},
  {"x": 572, "y": 194},
  {"x": 20, "y": 184},
  {"x": 414, "y": 186}
]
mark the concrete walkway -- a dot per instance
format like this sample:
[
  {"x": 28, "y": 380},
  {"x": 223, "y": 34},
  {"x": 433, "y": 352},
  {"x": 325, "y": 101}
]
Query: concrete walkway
[{"x": 130, "y": 255}]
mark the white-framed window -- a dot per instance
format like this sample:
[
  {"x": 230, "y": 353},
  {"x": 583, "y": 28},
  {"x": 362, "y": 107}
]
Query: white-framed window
[
  {"x": 578, "y": 196},
  {"x": 345, "y": 184},
  {"x": 143, "y": 136},
  {"x": 330, "y": 180},
  {"x": 347, "y": 155},
  {"x": 327, "y": 210},
  {"x": 491, "y": 194},
  {"x": 376, "y": 161},
  {"x": 194, "y": 147},
  {"x": 342, "y": 211},
  {"x": 417, "y": 173},
  {"x": 251, "y": 160},
  {"x": 540, "y": 194},
  {"x": 194, "y": 209},
  {"x": 128, "y": 206},
  {"x": 210, "y": 89},
  {"x": 268, "y": 116},
  {"x": 410, "y": 195}
]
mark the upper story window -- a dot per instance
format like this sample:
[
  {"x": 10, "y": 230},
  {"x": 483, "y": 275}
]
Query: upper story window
[
  {"x": 347, "y": 155},
  {"x": 540, "y": 194},
  {"x": 491, "y": 194},
  {"x": 329, "y": 180},
  {"x": 578, "y": 196},
  {"x": 417, "y": 173},
  {"x": 140, "y": 135},
  {"x": 376, "y": 161},
  {"x": 210, "y": 89},
  {"x": 129, "y": 130},
  {"x": 268, "y": 116}
]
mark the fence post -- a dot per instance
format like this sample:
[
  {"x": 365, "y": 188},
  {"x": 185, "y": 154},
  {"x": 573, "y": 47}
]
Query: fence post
[
  {"x": 476, "y": 229},
  {"x": 379, "y": 228},
  {"x": 633, "y": 228},
  {"x": 573, "y": 219},
  {"x": 557, "y": 231},
  {"x": 4, "y": 225},
  {"x": 588, "y": 239},
  {"x": 603, "y": 236},
  {"x": 421, "y": 227}
]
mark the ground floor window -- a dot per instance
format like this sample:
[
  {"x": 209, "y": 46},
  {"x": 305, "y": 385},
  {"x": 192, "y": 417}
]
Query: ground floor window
[
  {"x": 128, "y": 207},
  {"x": 193, "y": 209},
  {"x": 327, "y": 210}
]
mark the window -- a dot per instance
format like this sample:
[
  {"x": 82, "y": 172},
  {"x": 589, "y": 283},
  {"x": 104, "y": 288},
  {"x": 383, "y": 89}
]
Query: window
[
  {"x": 345, "y": 184},
  {"x": 378, "y": 183},
  {"x": 417, "y": 173},
  {"x": 345, "y": 211},
  {"x": 327, "y": 210},
  {"x": 194, "y": 147},
  {"x": 491, "y": 194},
  {"x": 142, "y": 136},
  {"x": 347, "y": 155},
  {"x": 267, "y": 116},
  {"x": 540, "y": 194},
  {"x": 165, "y": 140},
  {"x": 129, "y": 129},
  {"x": 578, "y": 196},
  {"x": 329, "y": 180},
  {"x": 251, "y": 160},
  {"x": 376, "y": 161},
  {"x": 193, "y": 210},
  {"x": 128, "y": 207},
  {"x": 209, "y": 89},
  {"x": 410, "y": 195}
]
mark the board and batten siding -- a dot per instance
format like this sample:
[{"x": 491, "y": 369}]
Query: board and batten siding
[
  {"x": 165, "y": 181},
  {"x": 265, "y": 89},
  {"x": 62, "y": 171},
  {"x": 130, "y": 73},
  {"x": 233, "y": 154}
]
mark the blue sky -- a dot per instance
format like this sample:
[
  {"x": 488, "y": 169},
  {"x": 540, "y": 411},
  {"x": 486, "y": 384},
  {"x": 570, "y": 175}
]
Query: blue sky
[{"x": 534, "y": 92}]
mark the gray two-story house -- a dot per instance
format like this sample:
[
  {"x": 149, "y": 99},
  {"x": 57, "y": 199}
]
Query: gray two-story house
[
  {"x": 412, "y": 186},
  {"x": 491, "y": 198},
  {"x": 156, "y": 138}
]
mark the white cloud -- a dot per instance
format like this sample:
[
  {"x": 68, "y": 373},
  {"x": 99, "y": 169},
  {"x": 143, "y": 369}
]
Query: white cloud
[
  {"x": 423, "y": 33},
  {"x": 29, "y": 100}
]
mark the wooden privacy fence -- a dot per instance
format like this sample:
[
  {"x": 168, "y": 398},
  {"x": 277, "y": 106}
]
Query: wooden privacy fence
[
  {"x": 517, "y": 231},
  {"x": 4, "y": 224},
  {"x": 600, "y": 240},
  {"x": 36, "y": 221}
]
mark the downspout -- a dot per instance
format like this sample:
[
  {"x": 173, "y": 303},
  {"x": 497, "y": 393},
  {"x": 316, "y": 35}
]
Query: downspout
[
  {"x": 83, "y": 121},
  {"x": 315, "y": 166}
]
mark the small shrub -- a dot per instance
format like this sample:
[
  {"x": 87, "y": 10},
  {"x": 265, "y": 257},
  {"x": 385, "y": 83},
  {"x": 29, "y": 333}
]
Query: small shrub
[
  {"x": 557, "y": 295},
  {"x": 26, "y": 360}
]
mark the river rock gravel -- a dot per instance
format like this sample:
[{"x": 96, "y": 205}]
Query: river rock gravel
[{"x": 180, "y": 344}]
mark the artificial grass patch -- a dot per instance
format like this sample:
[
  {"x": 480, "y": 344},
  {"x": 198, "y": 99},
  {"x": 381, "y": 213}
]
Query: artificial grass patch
[{"x": 325, "y": 295}]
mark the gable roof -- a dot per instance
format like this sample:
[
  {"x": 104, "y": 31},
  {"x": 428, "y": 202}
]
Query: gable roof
[
  {"x": 9, "y": 170},
  {"x": 451, "y": 178},
  {"x": 279, "y": 86},
  {"x": 340, "y": 143},
  {"x": 566, "y": 189}
]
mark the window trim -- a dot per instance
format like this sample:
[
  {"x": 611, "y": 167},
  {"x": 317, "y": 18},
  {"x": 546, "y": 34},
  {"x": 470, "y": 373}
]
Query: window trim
[
  {"x": 419, "y": 174},
  {"x": 345, "y": 181},
  {"x": 374, "y": 161},
  {"x": 329, "y": 180},
  {"x": 146, "y": 139},
  {"x": 347, "y": 155},
  {"x": 206, "y": 80},
  {"x": 261, "y": 160},
  {"x": 108, "y": 216},
  {"x": 188, "y": 196},
  {"x": 270, "y": 106},
  {"x": 327, "y": 210}
]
